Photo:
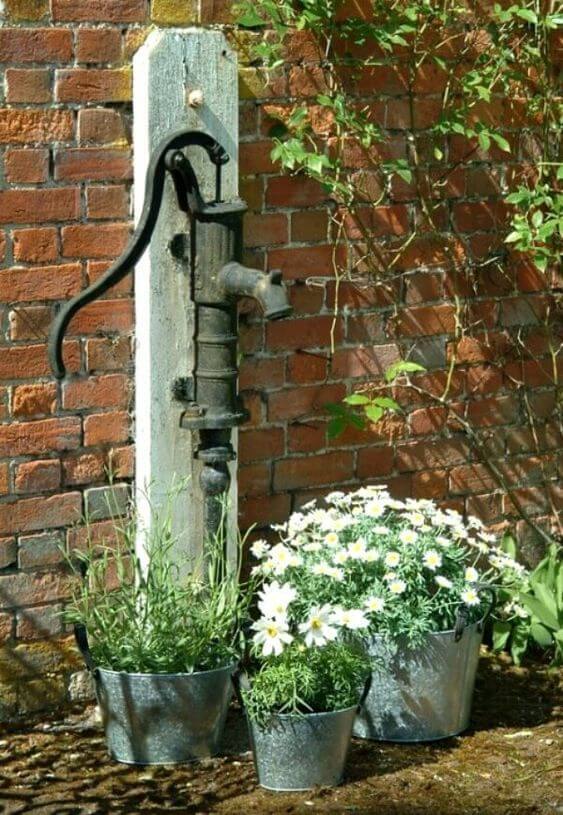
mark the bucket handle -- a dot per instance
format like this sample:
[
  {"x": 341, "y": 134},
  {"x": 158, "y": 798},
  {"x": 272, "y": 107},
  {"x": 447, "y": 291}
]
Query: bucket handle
[
  {"x": 235, "y": 679},
  {"x": 463, "y": 614},
  {"x": 81, "y": 637},
  {"x": 366, "y": 690}
]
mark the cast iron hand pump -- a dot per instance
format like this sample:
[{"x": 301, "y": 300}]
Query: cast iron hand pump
[{"x": 212, "y": 406}]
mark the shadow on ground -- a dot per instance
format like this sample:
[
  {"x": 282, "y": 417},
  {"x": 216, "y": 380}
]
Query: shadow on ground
[{"x": 510, "y": 763}]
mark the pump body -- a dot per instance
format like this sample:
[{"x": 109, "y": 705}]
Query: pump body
[{"x": 212, "y": 246}]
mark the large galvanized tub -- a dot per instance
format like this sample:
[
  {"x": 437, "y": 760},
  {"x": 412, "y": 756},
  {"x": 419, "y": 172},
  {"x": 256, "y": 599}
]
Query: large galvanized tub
[
  {"x": 423, "y": 694},
  {"x": 163, "y": 718},
  {"x": 295, "y": 752}
]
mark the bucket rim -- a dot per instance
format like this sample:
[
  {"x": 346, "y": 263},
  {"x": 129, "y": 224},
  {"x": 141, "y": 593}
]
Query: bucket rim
[
  {"x": 441, "y": 633},
  {"x": 230, "y": 667},
  {"x": 306, "y": 716}
]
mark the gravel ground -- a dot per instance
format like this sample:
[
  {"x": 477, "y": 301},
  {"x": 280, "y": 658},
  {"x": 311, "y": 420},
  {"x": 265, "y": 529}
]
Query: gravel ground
[{"x": 509, "y": 762}]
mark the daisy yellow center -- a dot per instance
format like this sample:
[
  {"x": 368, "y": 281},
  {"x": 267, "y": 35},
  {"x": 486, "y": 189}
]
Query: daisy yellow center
[
  {"x": 316, "y": 624},
  {"x": 272, "y": 630}
]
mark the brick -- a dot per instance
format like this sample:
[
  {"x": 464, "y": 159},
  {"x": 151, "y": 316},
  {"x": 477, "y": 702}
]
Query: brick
[
  {"x": 26, "y": 10},
  {"x": 85, "y": 468},
  {"x": 471, "y": 478},
  {"x": 473, "y": 216},
  {"x": 483, "y": 379},
  {"x": 30, "y": 514},
  {"x": 327, "y": 468},
  {"x": 170, "y": 12},
  {"x": 108, "y": 354},
  {"x": 37, "y": 694},
  {"x": 38, "y": 399},
  {"x": 28, "y": 85},
  {"x": 437, "y": 455},
  {"x": 423, "y": 287},
  {"x": 519, "y": 311},
  {"x": 25, "y": 362},
  {"x": 101, "y": 125},
  {"x": 375, "y": 462},
  {"x": 254, "y": 157},
  {"x": 425, "y": 320},
  {"x": 376, "y": 221},
  {"x": 303, "y": 262},
  {"x": 42, "y": 283},
  {"x": 255, "y": 445},
  {"x": 307, "y": 368},
  {"x": 26, "y": 166},
  {"x": 365, "y": 328},
  {"x": 93, "y": 85},
  {"x": 255, "y": 510},
  {"x": 19, "y": 126},
  {"x": 96, "y": 268},
  {"x": 108, "y": 202},
  {"x": 265, "y": 230},
  {"x": 38, "y": 437},
  {"x": 294, "y": 403},
  {"x": 305, "y": 299},
  {"x": 294, "y": 191},
  {"x": 122, "y": 461},
  {"x": 9, "y": 697},
  {"x": 111, "y": 390},
  {"x": 38, "y": 476},
  {"x": 428, "y": 421},
  {"x": 19, "y": 45},
  {"x": 431, "y": 484},
  {"x": 35, "y": 245},
  {"x": 310, "y": 332},
  {"x": 38, "y": 658},
  {"x": 106, "y": 502},
  {"x": 38, "y": 206},
  {"x": 94, "y": 240},
  {"x": 364, "y": 361},
  {"x": 106, "y": 428},
  {"x": 258, "y": 373},
  {"x": 39, "y": 623},
  {"x": 306, "y": 437},
  {"x": 96, "y": 45},
  {"x": 92, "y": 164},
  {"x": 309, "y": 226},
  {"x": 497, "y": 411},
  {"x": 103, "y": 316},
  {"x": 99, "y": 11},
  {"x": 357, "y": 296},
  {"x": 8, "y": 552},
  {"x": 36, "y": 551},
  {"x": 4, "y": 478}
]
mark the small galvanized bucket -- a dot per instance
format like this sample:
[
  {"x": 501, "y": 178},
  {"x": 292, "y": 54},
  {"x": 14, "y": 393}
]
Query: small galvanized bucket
[
  {"x": 423, "y": 694},
  {"x": 294, "y": 753},
  {"x": 162, "y": 718}
]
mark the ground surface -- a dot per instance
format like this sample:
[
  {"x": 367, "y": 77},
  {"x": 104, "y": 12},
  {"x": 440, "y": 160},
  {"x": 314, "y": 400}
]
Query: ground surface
[{"x": 510, "y": 762}]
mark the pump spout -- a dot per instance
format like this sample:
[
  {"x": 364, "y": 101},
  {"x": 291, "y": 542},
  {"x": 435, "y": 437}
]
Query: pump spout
[{"x": 240, "y": 281}]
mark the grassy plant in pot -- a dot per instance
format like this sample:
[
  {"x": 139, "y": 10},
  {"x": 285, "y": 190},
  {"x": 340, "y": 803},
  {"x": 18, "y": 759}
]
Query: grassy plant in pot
[
  {"x": 161, "y": 649},
  {"x": 305, "y": 678},
  {"x": 425, "y": 580}
]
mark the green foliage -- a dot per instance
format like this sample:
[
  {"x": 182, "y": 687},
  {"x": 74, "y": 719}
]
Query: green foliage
[
  {"x": 537, "y": 226},
  {"x": 307, "y": 680},
  {"x": 142, "y": 617},
  {"x": 532, "y": 610}
]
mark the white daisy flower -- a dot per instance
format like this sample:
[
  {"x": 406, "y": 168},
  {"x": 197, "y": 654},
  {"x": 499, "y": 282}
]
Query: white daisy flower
[
  {"x": 395, "y": 504},
  {"x": 336, "y": 574},
  {"x": 312, "y": 546},
  {"x": 381, "y": 530},
  {"x": 320, "y": 568},
  {"x": 357, "y": 511},
  {"x": 416, "y": 518},
  {"x": 470, "y": 597},
  {"x": 432, "y": 559},
  {"x": 471, "y": 574},
  {"x": 375, "y": 508},
  {"x": 259, "y": 548},
  {"x": 357, "y": 549},
  {"x": 331, "y": 539},
  {"x": 351, "y": 618},
  {"x": 280, "y": 557},
  {"x": 443, "y": 582},
  {"x": 335, "y": 497},
  {"x": 318, "y": 628},
  {"x": 408, "y": 536},
  {"x": 340, "y": 557},
  {"x": 272, "y": 635},
  {"x": 442, "y": 541},
  {"x": 375, "y": 604},
  {"x": 297, "y": 522},
  {"x": 388, "y": 576},
  {"x": 392, "y": 559},
  {"x": 274, "y": 599},
  {"x": 371, "y": 556},
  {"x": 397, "y": 586}
]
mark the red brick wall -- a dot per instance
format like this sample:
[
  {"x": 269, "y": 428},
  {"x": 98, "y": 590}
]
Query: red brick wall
[{"x": 65, "y": 213}]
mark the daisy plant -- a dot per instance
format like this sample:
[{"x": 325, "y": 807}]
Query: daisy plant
[{"x": 364, "y": 563}]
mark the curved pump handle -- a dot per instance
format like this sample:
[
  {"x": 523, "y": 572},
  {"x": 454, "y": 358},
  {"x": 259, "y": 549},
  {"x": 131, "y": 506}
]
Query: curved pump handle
[{"x": 189, "y": 198}]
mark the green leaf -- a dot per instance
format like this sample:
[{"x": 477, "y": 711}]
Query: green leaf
[
  {"x": 250, "y": 19},
  {"x": 539, "y": 610},
  {"x": 512, "y": 237},
  {"x": 400, "y": 367},
  {"x": 335, "y": 427},
  {"x": 501, "y": 141},
  {"x": 373, "y": 413},
  {"x": 519, "y": 642},
  {"x": 528, "y": 15},
  {"x": 501, "y": 633},
  {"x": 386, "y": 402},
  {"x": 484, "y": 140},
  {"x": 438, "y": 154},
  {"x": 541, "y": 635},
  {"x": 508, "y": 545},
  {"x": 357, "y": 399}
]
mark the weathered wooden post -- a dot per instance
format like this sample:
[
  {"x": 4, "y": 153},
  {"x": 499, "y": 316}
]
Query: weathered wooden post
[{"x": 182, "y": 78}]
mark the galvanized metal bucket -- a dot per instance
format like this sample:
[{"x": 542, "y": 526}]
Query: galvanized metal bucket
[
  {"x": 423, "y": 694},
  {"x": 163, "y": 718},
  {"x": 295, "y": 752}
]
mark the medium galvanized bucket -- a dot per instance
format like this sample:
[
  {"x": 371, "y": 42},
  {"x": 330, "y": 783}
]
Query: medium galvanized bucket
[
  {"x": 295, "y": 752},
  {"x": 163, "y": 718},
  {"x": 423, "y": 694}
]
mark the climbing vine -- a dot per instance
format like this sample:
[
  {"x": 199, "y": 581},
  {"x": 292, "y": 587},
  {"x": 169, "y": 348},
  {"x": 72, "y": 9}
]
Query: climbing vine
[{"x": 473, "y": 86}]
